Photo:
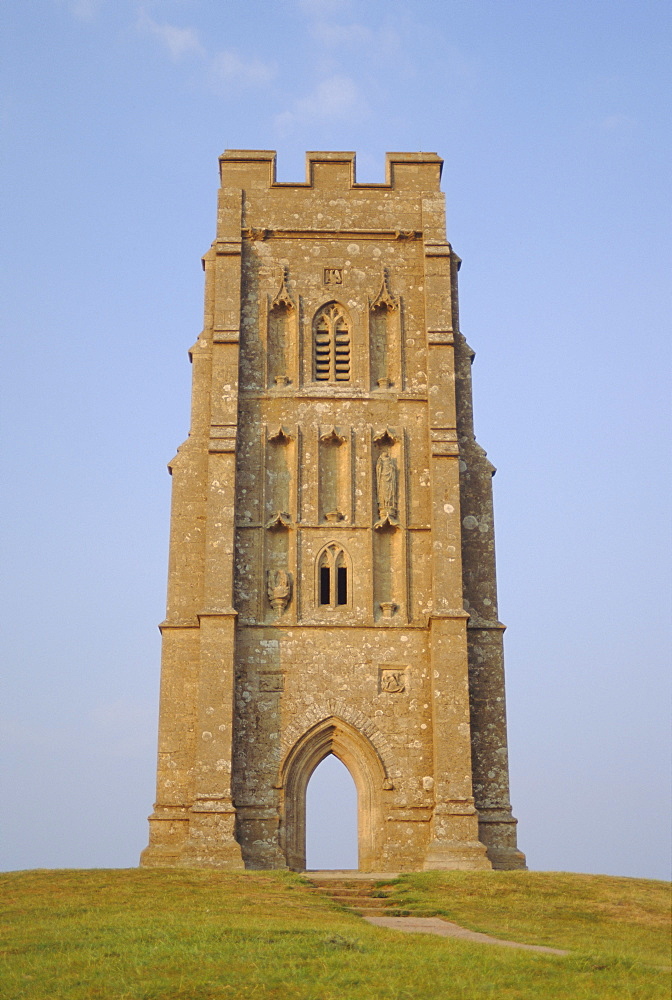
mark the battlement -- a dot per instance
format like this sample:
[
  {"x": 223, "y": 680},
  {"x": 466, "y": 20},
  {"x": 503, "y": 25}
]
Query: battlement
[{"x": 404, "y": 172}]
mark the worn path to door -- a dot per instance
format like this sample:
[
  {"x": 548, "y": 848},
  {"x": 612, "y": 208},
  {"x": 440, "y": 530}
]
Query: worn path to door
[{"x": 367, "y": 894}]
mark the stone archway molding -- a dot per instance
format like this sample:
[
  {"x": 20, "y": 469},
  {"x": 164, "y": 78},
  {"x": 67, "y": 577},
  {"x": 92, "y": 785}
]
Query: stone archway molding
[
  {"x": 332, "y": 735},
  {"x": 341, "y": 710}
]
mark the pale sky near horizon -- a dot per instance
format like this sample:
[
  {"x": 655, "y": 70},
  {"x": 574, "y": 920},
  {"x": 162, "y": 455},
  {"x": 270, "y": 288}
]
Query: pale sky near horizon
[{"x": 552, "y": 119}]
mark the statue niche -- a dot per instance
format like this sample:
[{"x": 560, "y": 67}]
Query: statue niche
[
  {"x": 334, "y": 457},
  {"x": 387, "y": 490},
  {"x": 384, "y": 336},
  {"x": 281, "y": 335}
]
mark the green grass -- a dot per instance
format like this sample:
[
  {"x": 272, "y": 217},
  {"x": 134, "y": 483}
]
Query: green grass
[
  {"x": 614, "y": 917},
  {"x": 206, "y": 935}
]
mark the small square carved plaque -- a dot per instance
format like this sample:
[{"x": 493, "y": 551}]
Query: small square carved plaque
[
  {"x": 271, "y": 682},
  {"x": 392, "y": 679},
  {"x": 333, "y": 275}
]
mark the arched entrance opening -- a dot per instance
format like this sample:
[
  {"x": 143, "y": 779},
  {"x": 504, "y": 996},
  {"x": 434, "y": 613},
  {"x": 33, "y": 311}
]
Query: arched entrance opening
[
  {"x": 331, "y": 736},
  {"x": 331, "y": 817}
]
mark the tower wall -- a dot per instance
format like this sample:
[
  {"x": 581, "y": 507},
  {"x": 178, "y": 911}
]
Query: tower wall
[{"x": 319, "y": 557}]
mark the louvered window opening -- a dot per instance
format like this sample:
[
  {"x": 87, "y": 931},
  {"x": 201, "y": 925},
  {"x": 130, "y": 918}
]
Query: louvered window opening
[{"x": 332, "y": 346}]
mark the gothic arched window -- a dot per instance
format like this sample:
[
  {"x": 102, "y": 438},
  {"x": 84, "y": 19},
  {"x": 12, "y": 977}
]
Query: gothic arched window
[
  {"x": 333, "y": 577},
  {"x": 331, "y": 344}
]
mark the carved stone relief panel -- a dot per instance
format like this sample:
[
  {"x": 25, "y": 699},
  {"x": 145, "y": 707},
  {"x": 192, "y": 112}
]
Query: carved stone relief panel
[
  {"x": 392, "y": 679},
  {"x": 333, "y": 275},
  {"x": 271, "y": 682}
]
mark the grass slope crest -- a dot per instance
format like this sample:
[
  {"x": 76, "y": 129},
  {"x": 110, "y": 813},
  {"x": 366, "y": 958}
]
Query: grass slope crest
[{"x": 181, "y": 934}]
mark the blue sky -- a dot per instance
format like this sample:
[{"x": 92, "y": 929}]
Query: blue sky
[{"x": 551, "y": 118}]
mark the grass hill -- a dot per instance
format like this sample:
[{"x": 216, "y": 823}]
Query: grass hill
[{"x": 208, "y": 935}]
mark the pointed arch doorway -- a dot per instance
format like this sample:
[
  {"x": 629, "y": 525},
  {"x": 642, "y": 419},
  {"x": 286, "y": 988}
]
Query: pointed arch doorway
[
  {"x": 357, "y": 753},
  {"x": 331, "y": 817}
]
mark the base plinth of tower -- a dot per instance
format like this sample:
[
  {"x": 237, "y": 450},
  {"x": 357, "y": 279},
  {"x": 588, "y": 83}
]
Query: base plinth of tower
[
  {"x": 209, "y": 842},
  {"x": 446, "y": 856},
  {"x": 497, "y": 830},
  {"x": 507, "y": 859},
  {"x": 193, "y": 856},
  {"x": 156, "y": 857},
  {"x": 221, "y": 859}
]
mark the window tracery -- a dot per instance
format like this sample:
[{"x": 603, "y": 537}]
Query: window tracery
[{"x": 333, "y": 577}]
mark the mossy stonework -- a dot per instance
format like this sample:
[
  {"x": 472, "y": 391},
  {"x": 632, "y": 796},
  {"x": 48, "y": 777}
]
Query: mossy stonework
[{"x": 332, "y": 575}]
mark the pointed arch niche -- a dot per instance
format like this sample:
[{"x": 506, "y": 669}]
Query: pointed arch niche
[
  {"x": 281, "y": 336},
  {"x": 334, "y": 474},
  {"x": 331, "y": 736},
  {"x": 385, "y": 338},
  {"x": 389, "y": 539},
  {"x": 279, "y": 450}
]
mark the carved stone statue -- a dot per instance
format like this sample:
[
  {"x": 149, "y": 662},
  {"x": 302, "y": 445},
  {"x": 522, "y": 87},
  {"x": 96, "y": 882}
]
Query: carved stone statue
[
  {"x": 278, "y": 588},
  {"x": 387, "y": 489}
]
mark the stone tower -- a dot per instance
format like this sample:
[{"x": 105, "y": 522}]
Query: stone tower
[{"x": 332, "y": 575}]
